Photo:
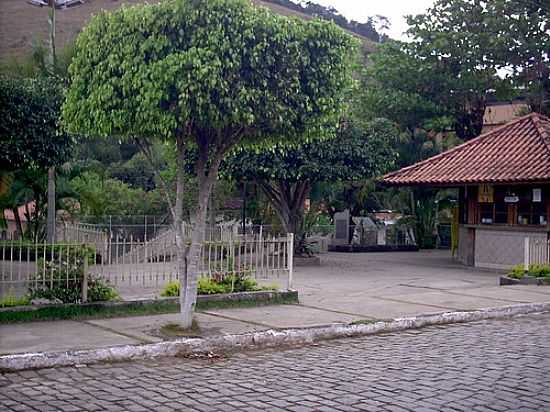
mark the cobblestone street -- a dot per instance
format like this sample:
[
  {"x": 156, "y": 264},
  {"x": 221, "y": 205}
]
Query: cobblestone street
[{"x": 486, "y": 366}]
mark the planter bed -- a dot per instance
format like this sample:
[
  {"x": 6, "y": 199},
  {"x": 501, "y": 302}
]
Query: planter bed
[
  {"x": 142, "y": 307},
  {"x": 526, "y": 280}
]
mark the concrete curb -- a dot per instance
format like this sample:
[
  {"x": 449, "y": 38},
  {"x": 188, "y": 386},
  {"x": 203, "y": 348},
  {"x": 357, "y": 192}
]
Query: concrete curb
[{"x": 257, "y": 340}]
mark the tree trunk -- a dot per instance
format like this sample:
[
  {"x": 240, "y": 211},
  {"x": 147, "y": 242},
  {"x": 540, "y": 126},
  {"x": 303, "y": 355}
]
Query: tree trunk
[
  {"x": 18, "y": 224},
  {"x": 206, "y": 177},
  {"x": 50, "y": 224},
  {"x": 288, "y": 201},
  {"x": 177, "y": 214}
]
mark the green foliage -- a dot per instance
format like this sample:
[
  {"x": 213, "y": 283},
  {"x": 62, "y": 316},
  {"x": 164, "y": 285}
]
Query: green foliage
[
  {"x": 11, "y": 300},
  {"x": 535, "y": 270},
  {"x": 357, "y": 152},
  {"x": 517, "y": 272},
  {"x": 367, "y": 29},
  {"x": 171, "y": 289},
  {"x": 29, "y": 111},
  {"x": 286, "y": 173},
  {"x": 100, "y": 196},
  {"x": 208, "y": 286},
  {"x": 474, "y": 38},
  {"x": 60, "y": 274},
  {"x": 218, "y": 283},
  {"x": 215, "y": 65}
]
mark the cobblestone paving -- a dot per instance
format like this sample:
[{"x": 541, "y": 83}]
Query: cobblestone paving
[{"x": 486, "y": 366}]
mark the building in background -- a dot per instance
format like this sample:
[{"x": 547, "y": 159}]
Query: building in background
[{"x": 503, "y": 179}]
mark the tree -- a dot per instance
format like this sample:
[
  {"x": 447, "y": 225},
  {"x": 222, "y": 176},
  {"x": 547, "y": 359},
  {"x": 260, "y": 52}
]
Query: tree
[
  {"x": 398, "y": 85},
  {"x": 453, "y": 39},
  {"x": 30, "y": 141},
  {"x": 520, "y": 44},
  {"x": 287, "y": 174},
  {"x": 209, "y": 74},
  {"x": 29, "y": 112}
]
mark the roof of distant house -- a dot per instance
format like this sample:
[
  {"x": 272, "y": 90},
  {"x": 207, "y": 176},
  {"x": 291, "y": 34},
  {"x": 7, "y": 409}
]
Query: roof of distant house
[
  {"x": 518, "y": 152},
  {"x": 21, "y": 211}
]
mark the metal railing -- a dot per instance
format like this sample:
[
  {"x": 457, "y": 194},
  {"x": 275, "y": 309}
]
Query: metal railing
[
  {"x": 26, "y": 266},
  {"x": 127, "y": 263},
  {"x": 139, "y": 268}
]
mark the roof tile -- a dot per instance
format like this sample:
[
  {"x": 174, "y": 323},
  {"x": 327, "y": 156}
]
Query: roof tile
[{"x": 517, "y": 152}]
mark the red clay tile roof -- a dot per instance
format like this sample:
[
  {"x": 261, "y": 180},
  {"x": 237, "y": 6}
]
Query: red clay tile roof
[{"x": 517, "y": 152}]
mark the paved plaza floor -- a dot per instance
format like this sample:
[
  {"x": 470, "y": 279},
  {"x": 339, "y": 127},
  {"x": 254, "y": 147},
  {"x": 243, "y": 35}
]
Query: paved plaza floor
[
  {"x": 346, "y": 287},
  {"x": 476, "y": 367}
]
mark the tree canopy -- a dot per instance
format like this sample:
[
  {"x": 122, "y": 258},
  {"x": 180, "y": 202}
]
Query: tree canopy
[
  {"x": 29, "y": 134},
  {"x": 205, "y": 68},
  {"x": 286, "y": 174},
  {"x": 209, "y": 74}
]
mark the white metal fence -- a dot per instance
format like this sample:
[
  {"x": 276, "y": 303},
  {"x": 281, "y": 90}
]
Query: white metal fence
[
  {"x": 536, "y": 252},
  {"x": 139, "y": 269},
  {"x": 25, "y": 266}
]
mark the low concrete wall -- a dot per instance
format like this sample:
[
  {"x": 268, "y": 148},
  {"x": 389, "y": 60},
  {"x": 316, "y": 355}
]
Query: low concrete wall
[
  {"x": 501, "y": 249},
  {"x": 463, "y": 245},
  {"x": 495, "y": 247}
]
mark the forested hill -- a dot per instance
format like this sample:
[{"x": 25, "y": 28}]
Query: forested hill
[
  {"x": 366, "y": 29},
  {"x": 22, "y": 25}
]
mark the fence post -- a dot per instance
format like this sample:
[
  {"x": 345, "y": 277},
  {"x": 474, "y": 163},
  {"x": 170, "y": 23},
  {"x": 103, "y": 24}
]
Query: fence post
[
  {"x": 526, "y": 256},
  {"x": 85, "y": 280},
  {"x": 290, "y": 246}
]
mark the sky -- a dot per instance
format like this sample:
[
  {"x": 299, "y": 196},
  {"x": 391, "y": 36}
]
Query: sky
[{"x": 394, "y": 10}]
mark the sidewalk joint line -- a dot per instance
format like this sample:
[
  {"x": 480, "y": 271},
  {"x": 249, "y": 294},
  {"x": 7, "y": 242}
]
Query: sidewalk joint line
[
  {"x": 336, "y": 311},
  {"x": 126, "y": 335},
  {"x": 421, "y": 304},
  {"x": 265, "y": 325}
]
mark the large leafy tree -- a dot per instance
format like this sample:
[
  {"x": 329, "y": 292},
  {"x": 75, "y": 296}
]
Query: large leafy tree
[
  {"x": 286, "y": 174},
  {"x": 520, "y": 46},
  {"x": 470, "y": 40},
  {"x": 30, "y": 141},
  {"x": 208, "y": 74},
  {"x": 29, "y": 136}
]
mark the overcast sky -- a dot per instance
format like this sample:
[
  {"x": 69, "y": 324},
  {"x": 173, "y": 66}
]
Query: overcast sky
[{"x": 394, "y": 10}]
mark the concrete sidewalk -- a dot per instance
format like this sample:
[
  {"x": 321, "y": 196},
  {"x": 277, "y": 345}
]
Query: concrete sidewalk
[{"x": 345, "y": 288}]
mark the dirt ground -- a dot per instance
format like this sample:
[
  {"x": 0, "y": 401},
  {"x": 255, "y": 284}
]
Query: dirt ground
[{"x": 22, "y": 24}]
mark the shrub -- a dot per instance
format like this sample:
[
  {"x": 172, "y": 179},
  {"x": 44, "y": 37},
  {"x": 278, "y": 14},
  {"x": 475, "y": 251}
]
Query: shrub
[
  {"x": 218, "y": 283},
  {"x": 539, "y": 271},
  {"x": 207, "y": 286},
  {"x": 171, "y": 289},
  {"x": 60, "y": 276},
  {"x": 518, "y": 271},
  {"x": 11, "y": 300}
]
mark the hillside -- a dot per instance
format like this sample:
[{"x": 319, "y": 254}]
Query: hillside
[{"x": 22, "y": 24}]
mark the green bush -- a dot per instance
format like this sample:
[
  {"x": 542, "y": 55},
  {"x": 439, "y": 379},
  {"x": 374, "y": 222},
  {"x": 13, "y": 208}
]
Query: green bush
[
  {"x": 171, "y": 289},
  {"x": 207, "y": 286},
  {"x": 517, "y": 272},
  {"x": 11, "y": 300},
  {"x": 218, "y": 283},
  {"x": 538, "y": 271},
  {"x": 60, "y": 276}
]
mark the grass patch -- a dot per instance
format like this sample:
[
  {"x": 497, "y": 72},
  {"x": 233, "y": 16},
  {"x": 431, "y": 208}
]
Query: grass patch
[
  {"x": 365, "y": 321},
  {"x": 123, "y": 309}
]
